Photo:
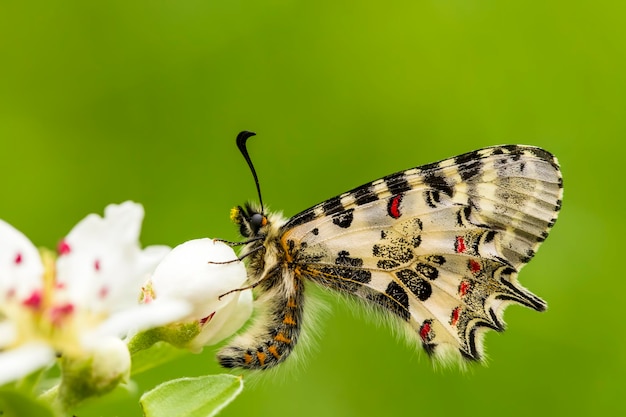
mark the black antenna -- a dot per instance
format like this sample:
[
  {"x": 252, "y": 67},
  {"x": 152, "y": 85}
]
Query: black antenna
[{"x": 242, "y": 137}]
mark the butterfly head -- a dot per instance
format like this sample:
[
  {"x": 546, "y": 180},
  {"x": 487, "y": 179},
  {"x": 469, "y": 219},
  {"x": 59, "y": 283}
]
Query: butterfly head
[{"x": 249, "y": 219}]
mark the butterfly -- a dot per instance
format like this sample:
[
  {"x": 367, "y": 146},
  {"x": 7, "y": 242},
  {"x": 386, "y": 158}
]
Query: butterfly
[{"x": 437, "y": 247}]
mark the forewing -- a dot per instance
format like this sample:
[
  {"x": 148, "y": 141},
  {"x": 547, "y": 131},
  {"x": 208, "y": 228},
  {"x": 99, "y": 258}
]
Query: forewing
[{"x": 440, "y": 245}]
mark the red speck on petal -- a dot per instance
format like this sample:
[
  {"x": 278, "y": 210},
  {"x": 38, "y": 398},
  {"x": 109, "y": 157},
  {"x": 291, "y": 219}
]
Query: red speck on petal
[
  {"x": 34, "y": 300},
  {"x": 58, "y": 313},
  {"x": 474, "y": 266},
  {"x": 459, "y": 245},
  {"x": 10, "y": 293},
  {"x": 59, "y": 285},
  {"x": 206, "y": 319},
  {"x": 63, "y": 248},
  {"x": 463, "y": 288},
  {"x": 104, "y": 291},
  {"x": 96, "y": 265},
  {"x": 18, "y": 258}
]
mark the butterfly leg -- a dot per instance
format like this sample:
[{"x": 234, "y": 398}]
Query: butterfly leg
[
  {"x": 241, "y": 243},
  {"x": 242, "y": 257}
]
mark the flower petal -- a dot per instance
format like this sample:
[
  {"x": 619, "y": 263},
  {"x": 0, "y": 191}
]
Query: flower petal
[
  {"x": 19, "y": 362},
  {"x": 21, "y": 269},
  {"x": 199, "y": 272}
]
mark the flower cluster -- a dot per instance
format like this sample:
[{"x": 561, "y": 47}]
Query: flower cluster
[{"x": 100, "y": 287}]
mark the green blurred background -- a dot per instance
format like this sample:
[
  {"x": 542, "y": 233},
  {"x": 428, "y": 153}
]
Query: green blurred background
[{"x": 101, "y": 102}]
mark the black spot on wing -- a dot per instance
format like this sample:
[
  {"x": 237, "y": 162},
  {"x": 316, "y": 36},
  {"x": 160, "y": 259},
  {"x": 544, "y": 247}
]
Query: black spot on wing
[
  {"x": 364, "y": 195},
  {"x": 343, "y": 258},
  {"x": 544, "y": 236},
  {"x": 433, "y": 166},
  {"x": 400, "y": 251},
  {"x": 469, "y": 165},
  {"x": 489, "y": 236},
  {"x": 431, "y": 198},
  {"x": 344, "y": 219},
  {"x": 395, "y": 299},
  {"x": 462, "y": 216},
  {"x": 429, "y": 348},
  {"x": 332, "y": 206},
  {"x": 342, "y": 278},
  {"x": 467, "y": 158},
  {"x": 439, "y": 183},
  {"x": 515, "y": 152},
  {"x": 418, "y": 286},
  {"x": 542, "y": 154},
  {"x": 436, "y": 259},
  {"x": 397, "y": 183},
  {"x": 427, "y": 271},
  {"x": 387, "y": 264}
]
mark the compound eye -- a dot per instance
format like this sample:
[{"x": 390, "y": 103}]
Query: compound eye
[{"x": 257, "y": 221}]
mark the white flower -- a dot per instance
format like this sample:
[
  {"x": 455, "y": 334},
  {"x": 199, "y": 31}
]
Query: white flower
[
  {"x": 21, "y": 299},
  {"x": 87, "y": 295},
  {"x": 100, "y": 259},
  {"x": 199, "y": 272},
  {"x": 83, "y": 301}
]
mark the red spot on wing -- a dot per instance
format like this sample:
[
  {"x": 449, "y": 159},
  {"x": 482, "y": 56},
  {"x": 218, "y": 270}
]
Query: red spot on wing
[
  {"x": 96, "y": 265},
  {"x": 474, "y": 266},
  {"x": 459, "y": 245},
  {"x": 463, "y": 288},
  {"x": 425, "y": 331},
  {"x": 455, "y": 316},
  {"x": 18, "y": 259},
  {"x": 393, "y": 208}
]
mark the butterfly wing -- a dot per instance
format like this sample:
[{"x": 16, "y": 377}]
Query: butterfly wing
[{"x": 439, "y": 246}]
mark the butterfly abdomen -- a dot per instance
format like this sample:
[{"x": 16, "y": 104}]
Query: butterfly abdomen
[{"x": 273, "y": 337}]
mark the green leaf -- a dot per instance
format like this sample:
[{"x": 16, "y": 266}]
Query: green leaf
[
  {"x": 203, "y": 396},
  {"x": 16, "y": 404}
]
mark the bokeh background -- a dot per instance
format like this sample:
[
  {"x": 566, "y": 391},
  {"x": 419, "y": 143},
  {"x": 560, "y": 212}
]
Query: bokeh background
[{"x": 101, "y": 102}]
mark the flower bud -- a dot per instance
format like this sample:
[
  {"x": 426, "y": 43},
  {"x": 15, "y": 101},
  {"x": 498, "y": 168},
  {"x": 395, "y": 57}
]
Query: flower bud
[
  {"x": 98, "y": 371},
  {"x": 207, "y": 275}
]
